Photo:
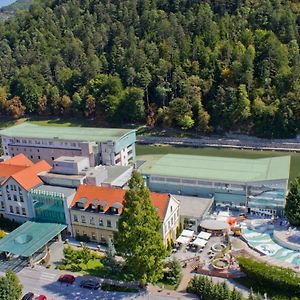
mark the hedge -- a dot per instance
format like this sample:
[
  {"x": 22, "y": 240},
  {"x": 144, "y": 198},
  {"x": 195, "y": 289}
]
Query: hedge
[{"x": 267, "y": 277}]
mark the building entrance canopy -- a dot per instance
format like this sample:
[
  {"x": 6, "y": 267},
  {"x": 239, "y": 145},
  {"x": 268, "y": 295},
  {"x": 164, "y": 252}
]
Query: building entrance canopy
[{"x": 29, "y": 238}]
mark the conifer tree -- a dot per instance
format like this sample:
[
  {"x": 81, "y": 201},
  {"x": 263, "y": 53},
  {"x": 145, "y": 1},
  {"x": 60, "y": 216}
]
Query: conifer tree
[
  {"x": 292, "y": 208},
  {"x": 138, "y": 239}
]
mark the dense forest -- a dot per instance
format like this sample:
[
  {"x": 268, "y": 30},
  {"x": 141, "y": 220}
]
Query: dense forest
[{"x": 206, "y": 66}]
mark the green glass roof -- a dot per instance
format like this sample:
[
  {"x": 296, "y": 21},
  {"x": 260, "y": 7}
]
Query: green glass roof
[
  {"x": 218, "y": 168},
  {"x": 29, "y": 238},
  {"x": 28, "y": 130}
]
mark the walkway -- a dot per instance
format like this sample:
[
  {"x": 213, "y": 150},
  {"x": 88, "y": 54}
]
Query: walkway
[{"x": 251, "y": 143}]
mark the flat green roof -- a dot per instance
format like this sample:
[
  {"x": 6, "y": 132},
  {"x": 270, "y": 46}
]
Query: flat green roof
[
  {"x": 29, "y": 238},
  {"x": 218, "y": 168},
  {"x": 28, "y": 130}
]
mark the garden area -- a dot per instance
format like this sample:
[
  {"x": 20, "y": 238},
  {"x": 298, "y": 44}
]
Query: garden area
[
  {"x": 91, "y": 262},
  {"x": 278, "y": 283},
  {"x": 172, "y": 276}
]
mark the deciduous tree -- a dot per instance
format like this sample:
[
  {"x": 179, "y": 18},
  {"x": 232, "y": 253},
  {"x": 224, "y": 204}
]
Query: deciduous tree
[{"x": 10, "y": 287}]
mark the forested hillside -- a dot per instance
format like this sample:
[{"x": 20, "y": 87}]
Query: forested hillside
[
  {"x": 200, "y": 65},
  {"x": 9, "y": 11}
]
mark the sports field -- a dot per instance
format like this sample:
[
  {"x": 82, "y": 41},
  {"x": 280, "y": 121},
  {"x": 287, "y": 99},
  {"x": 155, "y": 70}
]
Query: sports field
[{"x": 149, "y": 149}]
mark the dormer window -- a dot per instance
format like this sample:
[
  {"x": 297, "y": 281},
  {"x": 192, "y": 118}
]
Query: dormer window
[
  {"x": 80, "y": 205},
  {"x": 102, "y": 206},
  {"x": 114, "y": 209},
  {"x": 81, "y": 202}
]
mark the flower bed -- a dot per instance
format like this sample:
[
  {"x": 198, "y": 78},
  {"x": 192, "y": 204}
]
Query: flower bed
[{"x": 220, "y": 264}]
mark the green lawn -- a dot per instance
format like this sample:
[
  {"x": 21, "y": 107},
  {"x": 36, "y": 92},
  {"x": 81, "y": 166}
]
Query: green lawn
[
  {"x": 63, "y": 122},
  {"x": 151, "y": 150}
]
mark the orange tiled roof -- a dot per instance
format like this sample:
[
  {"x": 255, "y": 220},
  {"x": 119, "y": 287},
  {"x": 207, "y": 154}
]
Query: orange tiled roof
[
  {"x": 23, "y": 171},
  {"x": 18, "y": 160},
  {"x": 112, "y": 195},
  {"x": 28, "y": 178},
  {"x": 8, "y": 170}
]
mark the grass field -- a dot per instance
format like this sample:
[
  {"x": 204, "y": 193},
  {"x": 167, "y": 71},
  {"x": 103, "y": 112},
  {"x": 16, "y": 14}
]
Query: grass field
[{"x": 151, "y": 150}]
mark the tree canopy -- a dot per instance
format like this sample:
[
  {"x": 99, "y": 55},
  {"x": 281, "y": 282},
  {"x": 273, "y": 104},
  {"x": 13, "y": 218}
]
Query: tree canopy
[
  {"x": 292, "y": 207},
  {"x": 196, "y": 65},
  {"x": 138, "y": 239},
  {"x": 10, "y": 287}
]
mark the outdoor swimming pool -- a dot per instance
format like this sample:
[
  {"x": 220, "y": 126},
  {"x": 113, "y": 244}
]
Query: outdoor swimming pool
[{"x": 263, "y": 242}]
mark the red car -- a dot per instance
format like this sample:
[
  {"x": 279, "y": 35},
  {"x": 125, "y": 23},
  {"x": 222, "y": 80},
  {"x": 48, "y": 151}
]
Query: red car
[
  {"x": 67, "y": 278},
  {"x": 32, "y": 296}
]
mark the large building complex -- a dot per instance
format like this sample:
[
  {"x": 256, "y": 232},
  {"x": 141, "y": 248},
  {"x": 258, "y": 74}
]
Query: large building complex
[
  {"x": 256, "y": 184},
  {"x": 18, "y": 176},
  {"x": 105, "y": 146},
  {"x": 96, "y": 210}
]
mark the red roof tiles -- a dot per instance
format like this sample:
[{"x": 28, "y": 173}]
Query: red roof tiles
[
  {"x": 23, "y": 171},
  {"x": 89, "y": 193}
]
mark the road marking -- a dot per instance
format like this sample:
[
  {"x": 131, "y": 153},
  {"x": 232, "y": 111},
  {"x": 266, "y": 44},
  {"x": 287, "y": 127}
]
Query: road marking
[{"x": 48, "y": 277}]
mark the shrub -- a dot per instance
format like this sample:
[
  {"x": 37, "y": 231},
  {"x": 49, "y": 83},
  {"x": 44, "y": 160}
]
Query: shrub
[
  {"x": 61, "y": 267},
  {"x": 267, "y": 277},
  {"x": 173, "y": 276},
  {"x": 82, "y": 238},
  {"x": 207, "y": 290},
  {"x": 2, "y": 234}
]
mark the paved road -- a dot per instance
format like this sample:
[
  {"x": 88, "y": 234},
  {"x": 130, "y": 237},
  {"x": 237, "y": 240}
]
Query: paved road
[
  {"x": 44, "y": 281},
  {"x": 224, "y": 142}
]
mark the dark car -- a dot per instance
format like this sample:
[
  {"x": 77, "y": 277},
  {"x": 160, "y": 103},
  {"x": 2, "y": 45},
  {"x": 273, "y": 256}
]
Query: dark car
[
  {"x": 28, "y": 296},
  {"x": 67, "y": 278},
  {"x": 90, "y": 284}
]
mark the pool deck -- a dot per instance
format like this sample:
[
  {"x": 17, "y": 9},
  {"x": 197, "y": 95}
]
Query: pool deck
[
  {"x": 287, "y": 238},
  {"x": 243, "y": 249}
]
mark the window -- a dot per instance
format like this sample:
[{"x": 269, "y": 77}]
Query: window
[
  {"x": 52, "y": 158},
  {"x": 17, "y": 210},
  {"x": 15, "y": 198},
  {"x": 11, "y": 209},
  {"x": 77, "y": 231},
  {"x": 108, "y": 223},
  {"x": 94, "y": 236},
  {"x": 39, "y": 157},
  {"x": 31, "y": 156},
  {"x": 11, "y": 187},
  {"x": 92, "y": 221},
  {"x": 8, "y": 197},
  {"x": 100, "y": 222},
  {"x": 23, "y": 211},
  {"x": 75, "y": 218},
  {"x": 82, "y": 219},
  {"x": 2, "y": 204}
]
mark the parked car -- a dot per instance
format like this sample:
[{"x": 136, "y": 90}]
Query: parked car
[
  {"x": 90, "y": 284},
  {"x": 67, "y": 278},
  {"x": 32, "y": 296},
  {"x": 28, "y": 296}
]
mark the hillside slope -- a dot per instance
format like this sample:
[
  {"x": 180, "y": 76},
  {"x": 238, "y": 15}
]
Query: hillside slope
[
  {"x": 9, "y": 11},
  {"x": 199, "y": 65}
]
